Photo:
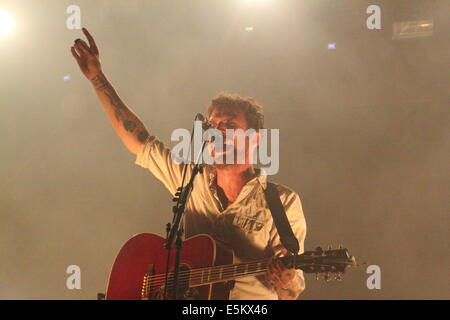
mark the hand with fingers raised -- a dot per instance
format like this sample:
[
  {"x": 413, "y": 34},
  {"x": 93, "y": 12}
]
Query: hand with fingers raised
[{"x": 87, "y": 56}]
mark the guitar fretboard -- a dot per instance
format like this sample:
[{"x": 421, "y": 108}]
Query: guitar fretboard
[{"x": 203, "y": 276}]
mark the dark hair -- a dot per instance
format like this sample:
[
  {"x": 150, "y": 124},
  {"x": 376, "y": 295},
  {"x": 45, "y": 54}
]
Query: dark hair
[{"x": 253, "y": 111}]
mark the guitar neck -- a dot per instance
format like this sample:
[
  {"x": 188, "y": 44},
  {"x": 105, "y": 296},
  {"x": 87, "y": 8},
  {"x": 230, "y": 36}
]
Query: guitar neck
[
  {"x": 210, "y": 275},
  {"x": 334, "y": 261}
]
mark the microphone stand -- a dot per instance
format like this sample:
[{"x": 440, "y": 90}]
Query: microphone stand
[{"x": 174, "y": 232}]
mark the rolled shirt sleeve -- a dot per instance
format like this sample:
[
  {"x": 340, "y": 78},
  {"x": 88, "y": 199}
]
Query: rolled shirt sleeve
[{"x": 157, "y": 158}]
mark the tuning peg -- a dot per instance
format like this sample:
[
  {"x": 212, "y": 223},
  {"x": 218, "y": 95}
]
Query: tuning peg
[
  {"x": 340, "y": 246},
  {"x": 327, "y": 277},
  {"x": 329, "y": 247},
  {"x": 317, "y": 276}
]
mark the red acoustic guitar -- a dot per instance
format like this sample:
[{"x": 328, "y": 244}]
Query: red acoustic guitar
[{"x": 206, "y": 270}]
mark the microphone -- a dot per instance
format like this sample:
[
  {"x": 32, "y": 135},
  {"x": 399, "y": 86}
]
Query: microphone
[
  {"x": 205, "y": 126},
  {"x": 205, "y": 123}
]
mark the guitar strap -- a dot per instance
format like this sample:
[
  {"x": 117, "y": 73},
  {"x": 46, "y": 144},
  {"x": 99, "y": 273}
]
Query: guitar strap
[{"x": 280, "y": 219}]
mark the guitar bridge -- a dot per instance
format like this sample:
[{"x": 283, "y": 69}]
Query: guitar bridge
[{"x": 146, "y": 284}]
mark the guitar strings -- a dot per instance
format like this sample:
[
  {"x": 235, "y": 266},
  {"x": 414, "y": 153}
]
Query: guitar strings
[
  {"x": 170, "y": 285},
  {"x": 226, "y": 270},
  {"x": 159, "y": 280},
  {"x": 212, "y": 270},
  {"x": 199, "y": 271},
  {"x": 214, "y": 273}
]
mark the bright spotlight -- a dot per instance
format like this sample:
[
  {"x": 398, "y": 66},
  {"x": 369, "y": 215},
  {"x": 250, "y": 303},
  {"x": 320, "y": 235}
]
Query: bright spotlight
[{"x": 7, "y": 23}]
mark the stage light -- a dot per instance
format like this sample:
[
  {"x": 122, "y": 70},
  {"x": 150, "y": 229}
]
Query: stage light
[
  {"x": 7, "y": 23},
  {"x": 412, "y": 29}
]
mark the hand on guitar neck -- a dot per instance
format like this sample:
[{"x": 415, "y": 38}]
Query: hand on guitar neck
[{"x": 285, "y": 280}]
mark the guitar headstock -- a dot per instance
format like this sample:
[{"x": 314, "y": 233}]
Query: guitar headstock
[{"x": 328, "y": 262}]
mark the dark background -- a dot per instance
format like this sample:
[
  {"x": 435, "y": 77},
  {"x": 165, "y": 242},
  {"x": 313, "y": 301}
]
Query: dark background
[{"x": 364, "y": 132}]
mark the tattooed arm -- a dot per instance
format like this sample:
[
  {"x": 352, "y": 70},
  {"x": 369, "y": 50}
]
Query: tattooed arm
[{"x": 127, "y": 125}]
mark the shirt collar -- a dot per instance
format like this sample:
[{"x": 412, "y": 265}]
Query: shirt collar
[{"x": 260, "y": 178}]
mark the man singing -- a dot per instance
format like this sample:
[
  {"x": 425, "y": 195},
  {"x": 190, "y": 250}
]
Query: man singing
[{"x": 228, "y": 201}]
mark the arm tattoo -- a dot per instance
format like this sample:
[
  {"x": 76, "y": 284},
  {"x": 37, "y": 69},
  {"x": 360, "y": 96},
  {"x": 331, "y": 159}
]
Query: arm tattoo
[
  {"x": 129, "y": 125},
  {"x": 115, "y": 101},
  {"x": 118, "y": 115},
  {"x": 142, "y": 136},
  {"x": 99, "y": 83}
]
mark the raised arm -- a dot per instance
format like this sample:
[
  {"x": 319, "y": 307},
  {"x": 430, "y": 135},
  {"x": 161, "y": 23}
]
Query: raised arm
[{"x": 127, "y": 125}]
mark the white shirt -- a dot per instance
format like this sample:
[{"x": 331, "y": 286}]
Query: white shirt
[{"x": 246, "y": 225}]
